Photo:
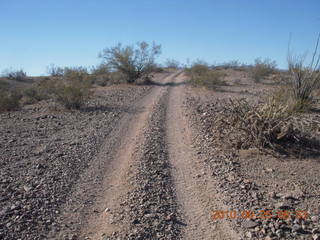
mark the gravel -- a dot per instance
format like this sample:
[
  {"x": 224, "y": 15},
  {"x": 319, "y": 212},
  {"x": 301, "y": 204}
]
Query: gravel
[
  {"x": 44, "y": 149},
  {"x": 150, "y": 209},
  {"x": 242, "y": 190}
]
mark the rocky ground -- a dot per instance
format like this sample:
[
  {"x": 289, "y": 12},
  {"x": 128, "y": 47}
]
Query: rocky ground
[
  {"x": 44, "y": 149},
  {"x": 143, "y": 162},
  {"x": 273, "y": 198}
]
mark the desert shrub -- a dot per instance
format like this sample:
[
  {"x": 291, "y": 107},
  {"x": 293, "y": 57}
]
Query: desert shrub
[
  {"x": 101, "y": 69},
  {"x": 284, "y": 95},
  {"x": 202, "y": 75},
  {"x": 304, "y": 79},
  {"x": 74, "y": 89},
  {"x": 101, "y": 75},
  {"x": 171, "y": 63},
  {"x": 266, "y": 125},
  {"x": 233, "y": 64},
  {"x": 9, "y": 100},
  {"x": 133, "y": 62},
  {"x": 18, "y": 75},
  {"x": 32, "y": 94},
  {"x": 262, "y": 69}
]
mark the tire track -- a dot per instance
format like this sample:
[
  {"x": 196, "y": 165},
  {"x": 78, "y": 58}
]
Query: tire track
[
  {"x": 137, "y": 182},
  {"x": 196, "y": 192}
]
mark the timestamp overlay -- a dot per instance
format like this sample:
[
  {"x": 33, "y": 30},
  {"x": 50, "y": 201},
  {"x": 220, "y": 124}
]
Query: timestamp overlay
[{"x": 258, "y": 214}]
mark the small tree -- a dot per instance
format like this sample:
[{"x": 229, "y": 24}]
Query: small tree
[{"x": 133, "y": 62}]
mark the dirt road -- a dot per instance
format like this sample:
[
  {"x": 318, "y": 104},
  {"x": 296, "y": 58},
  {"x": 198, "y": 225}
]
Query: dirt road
[
  {"x": 138, "y": 177},
  {"x": 146, "y": 181}
]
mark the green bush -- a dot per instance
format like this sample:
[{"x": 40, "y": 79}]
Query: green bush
[
  {"x": 133, "y": 62},
  {"x": 262, "y": 69}
]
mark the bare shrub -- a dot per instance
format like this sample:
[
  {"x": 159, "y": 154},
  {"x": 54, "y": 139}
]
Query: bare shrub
[
  {"x": 304, "y": 79},
  {"x": 262, "y": 69},
  {"x": 55, "y": 71},
  {"x": 18, "y": 75},
  {"x": 133, "y": 62}
]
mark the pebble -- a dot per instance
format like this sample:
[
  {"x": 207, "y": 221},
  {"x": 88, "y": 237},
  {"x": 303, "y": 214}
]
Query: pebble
[{"x": 250, "y": 224}]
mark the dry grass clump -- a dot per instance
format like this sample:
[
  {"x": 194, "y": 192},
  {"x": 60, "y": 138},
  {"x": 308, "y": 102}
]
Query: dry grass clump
[
  {"x": 202, "y": 75},
  {"x": 271, "y": 125}
]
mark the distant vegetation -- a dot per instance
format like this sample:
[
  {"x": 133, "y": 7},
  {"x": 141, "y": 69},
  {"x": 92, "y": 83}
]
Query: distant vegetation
[
  {"x": 72, "y": 86},
  {"x": 171, "y": 63},
  {"x": 201, "y": 74},
  {"x": 18, "y": 75},
  {"x": 262, "y": 69}
]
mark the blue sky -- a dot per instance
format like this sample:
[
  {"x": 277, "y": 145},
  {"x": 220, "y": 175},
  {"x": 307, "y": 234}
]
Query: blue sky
[{"x": 37, "y": 33}]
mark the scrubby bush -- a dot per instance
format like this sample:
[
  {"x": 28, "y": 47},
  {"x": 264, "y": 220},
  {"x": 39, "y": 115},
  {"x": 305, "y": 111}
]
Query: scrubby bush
[
  {"x": 268, "y": 125},
  {"x": 262, "y": 69},
  {"x": 133, "y": 62},
  {"x": 9, "y": 100},
  {"x": 100, "y": 69},
  {"x": 32, "y": 94},
  {"x": 18, "y": 75},
  {"x": 202, "y": 75},
  {"x": 40, "y": 90},
  {"x": 101, "y": 75},
  {"x": 74, "y": 89}
]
